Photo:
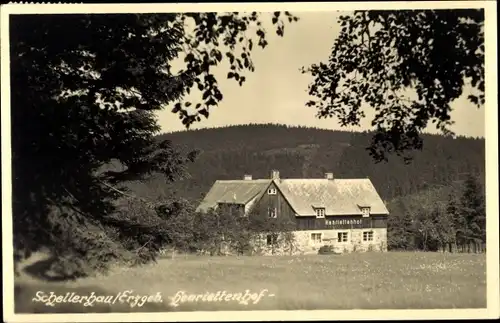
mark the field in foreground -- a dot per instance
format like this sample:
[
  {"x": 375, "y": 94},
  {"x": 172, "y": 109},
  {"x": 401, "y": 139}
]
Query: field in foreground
[{"x": 393, "y": 280}]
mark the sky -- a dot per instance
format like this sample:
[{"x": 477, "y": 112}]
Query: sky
[{"x": 276, "y": 92}]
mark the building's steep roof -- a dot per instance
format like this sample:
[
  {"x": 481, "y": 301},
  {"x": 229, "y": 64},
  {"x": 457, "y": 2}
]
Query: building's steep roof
[
  {"x": 337, "y": 196},
  {"x": 233, "y": 191}
]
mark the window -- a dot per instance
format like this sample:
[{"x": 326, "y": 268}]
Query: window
[
  {"x": 368, "y": 236},
  {"x": 271, "y": 191},
  {"x": 342, "y": 236},
  {"x": 365, "y": 211},
  {"x": 316, "y": 238},
  {"x": 273, "y": 213},
  {"x": 272, "y": 239},
  {"x": 320, "y": 213}
]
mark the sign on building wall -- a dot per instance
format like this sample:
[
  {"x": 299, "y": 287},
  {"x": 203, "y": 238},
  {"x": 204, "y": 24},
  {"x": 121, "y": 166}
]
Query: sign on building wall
[
  {"x": 346, "y": 223},
  {"x": 341, "y": 223}
]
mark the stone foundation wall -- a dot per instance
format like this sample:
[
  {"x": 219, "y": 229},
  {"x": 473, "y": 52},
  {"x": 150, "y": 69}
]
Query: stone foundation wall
[
  {"x": 354, "y": 243},
  {"x": 303, "y": 244}
]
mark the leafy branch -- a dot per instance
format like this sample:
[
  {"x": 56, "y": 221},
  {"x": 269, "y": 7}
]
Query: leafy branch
[{"x": 400, "y": 51}]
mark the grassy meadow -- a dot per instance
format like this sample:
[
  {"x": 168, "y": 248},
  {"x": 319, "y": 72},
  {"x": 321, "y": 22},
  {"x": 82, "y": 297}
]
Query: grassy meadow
[{"x": 393, "y": 280}]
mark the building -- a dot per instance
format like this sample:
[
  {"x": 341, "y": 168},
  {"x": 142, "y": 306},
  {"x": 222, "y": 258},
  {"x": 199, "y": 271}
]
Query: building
[{"x": 347, "y": 214}]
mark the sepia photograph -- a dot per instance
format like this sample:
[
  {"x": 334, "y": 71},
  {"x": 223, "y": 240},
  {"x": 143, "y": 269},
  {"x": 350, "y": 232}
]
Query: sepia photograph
[{"x": 249, "y": 161}]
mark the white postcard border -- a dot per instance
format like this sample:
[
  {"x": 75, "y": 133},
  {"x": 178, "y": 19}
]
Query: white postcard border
[{"x": 491, "y": 131}]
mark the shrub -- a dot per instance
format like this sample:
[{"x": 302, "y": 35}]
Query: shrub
[
  {"x": 327, "y": 250},
  {"x": 132, "y": 235}
]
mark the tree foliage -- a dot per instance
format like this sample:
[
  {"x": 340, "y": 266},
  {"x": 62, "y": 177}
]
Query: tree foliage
[
  {"x": 83, "y": 92},
  {"x": 472, "y": 213},
  {"x": 227, "y": 230},
  {"x": 449, "y": 218},
  {"x": 408, "y": 65}
]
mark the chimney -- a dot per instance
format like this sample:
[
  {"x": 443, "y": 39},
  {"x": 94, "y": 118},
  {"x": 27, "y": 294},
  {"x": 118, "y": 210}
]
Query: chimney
[
  {"x": 275, "y": 174},
  {"x": 329, "y": 175},
  {"x": 247, "y": 177}
]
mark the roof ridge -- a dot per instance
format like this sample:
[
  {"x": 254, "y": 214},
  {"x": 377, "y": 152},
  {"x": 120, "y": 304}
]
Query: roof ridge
[
  {"x": 326, "y": 179},
  {"x": 243, "y": 180},
  {"x": 289, "y": 179}
]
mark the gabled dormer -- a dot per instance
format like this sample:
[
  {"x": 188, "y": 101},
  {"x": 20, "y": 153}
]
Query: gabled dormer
[
  {"x": 365, "y": 210},
  {"x": 320, "y": 210}
]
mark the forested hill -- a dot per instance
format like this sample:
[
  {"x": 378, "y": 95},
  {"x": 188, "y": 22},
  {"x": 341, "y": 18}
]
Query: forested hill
[{"x": 300, "y": 152}]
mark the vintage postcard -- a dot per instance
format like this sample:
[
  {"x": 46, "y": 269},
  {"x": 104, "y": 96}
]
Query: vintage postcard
[{"x": 249, "y": 161}]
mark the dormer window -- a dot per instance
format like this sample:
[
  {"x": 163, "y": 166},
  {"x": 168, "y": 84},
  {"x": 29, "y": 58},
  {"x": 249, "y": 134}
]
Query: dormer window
[
  {"x": 320, "y": 212},
  {"x": 271, "y": 191},
  {"x": 365, "y": 211}
]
